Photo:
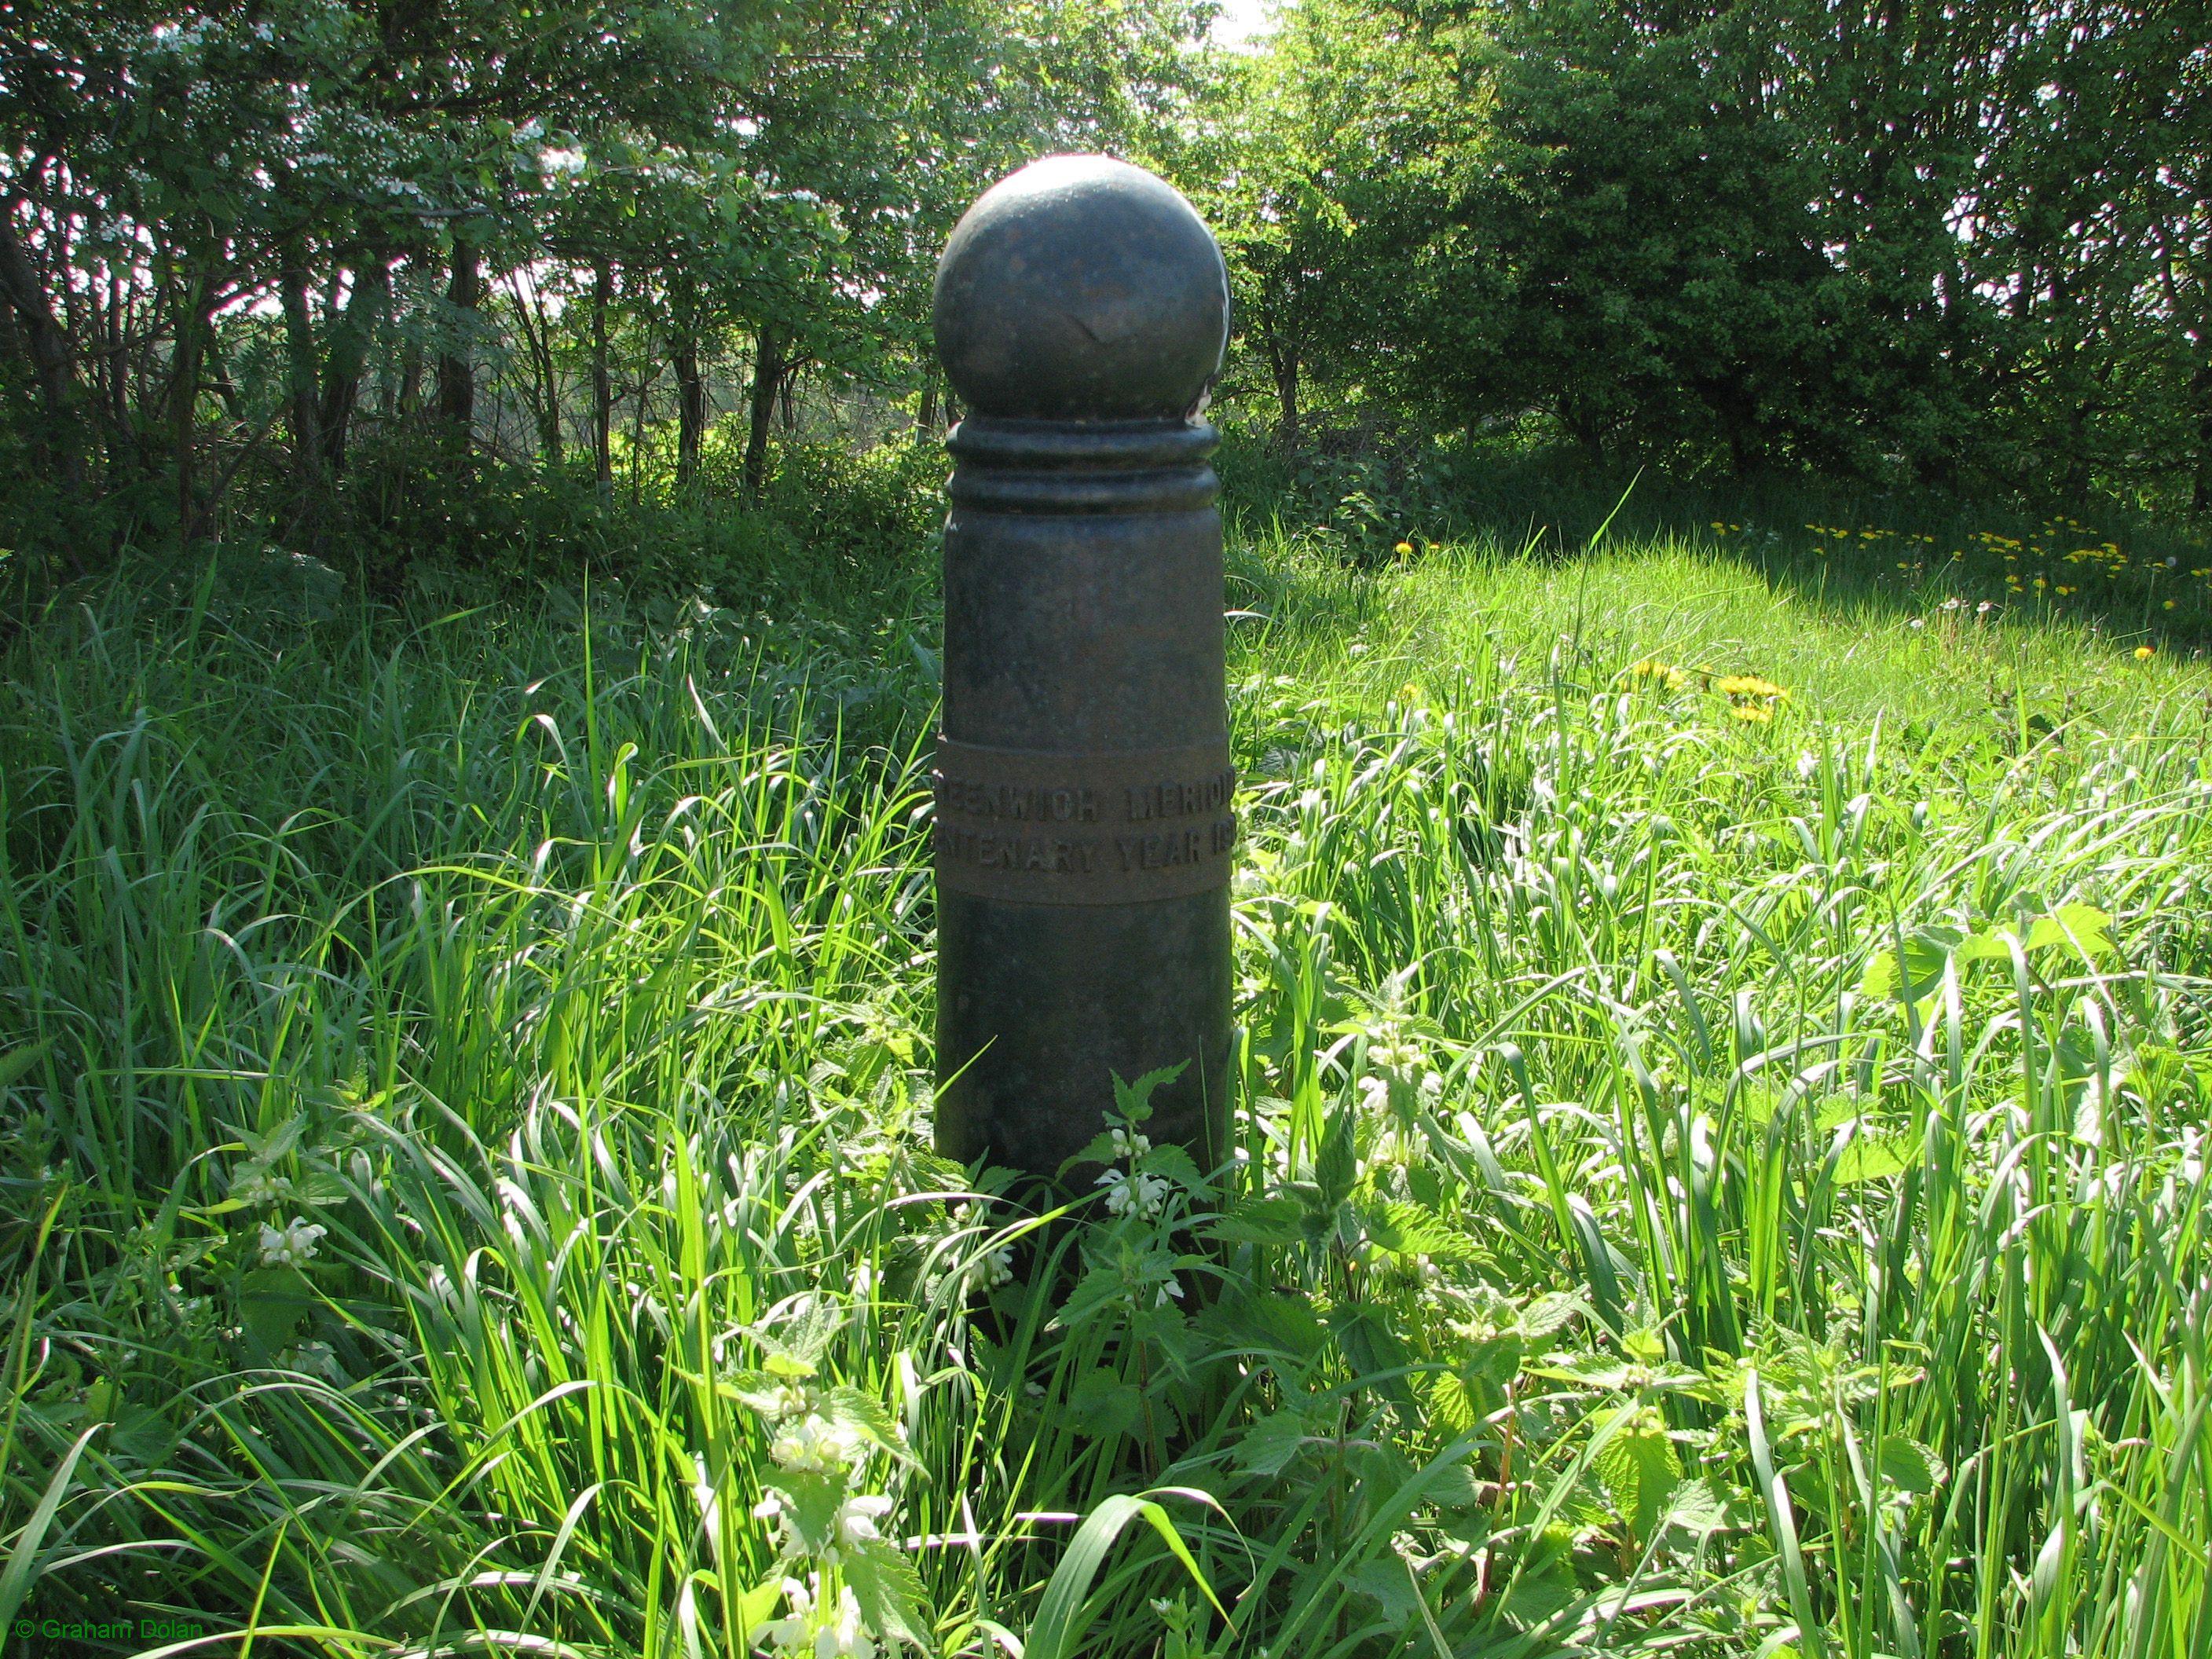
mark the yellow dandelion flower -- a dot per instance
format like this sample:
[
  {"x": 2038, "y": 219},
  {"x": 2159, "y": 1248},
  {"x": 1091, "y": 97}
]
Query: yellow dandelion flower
[
  {"x": 2169, "y": 604},
  {"x": 2144, "y": 652},
  {"x": 1403, "y": 549},
  {"x": 1751, "y": 713}
]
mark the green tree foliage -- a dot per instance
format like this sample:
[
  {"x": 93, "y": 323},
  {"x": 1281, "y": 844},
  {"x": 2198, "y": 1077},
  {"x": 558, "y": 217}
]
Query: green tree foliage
[
  {"x": 1958, "y": 244},
  {"x": 334, "y": 258}
]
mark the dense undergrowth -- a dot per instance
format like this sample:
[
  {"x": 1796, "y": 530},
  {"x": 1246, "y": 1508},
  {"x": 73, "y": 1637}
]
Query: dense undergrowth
[{"x": 1720, "y": 1159}]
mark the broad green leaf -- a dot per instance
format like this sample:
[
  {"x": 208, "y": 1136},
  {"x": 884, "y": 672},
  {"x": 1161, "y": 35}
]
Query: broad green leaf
[
  {"x": 1637, "y": 1469},
  {"x": 864, "y": 1414},
  {"x": 1102, "y": 1404},
  {"x": 1260, "y": 1221},
  {"x": 1269, "y": 1444},
  {"x": 1410, "y": 1230},
  {"x": 2080, "y": 927},
  {"x": 889, "y": 1593},
  {"x": 1873, "y": 1158},
  {"x": 1910, "y": 1467}
]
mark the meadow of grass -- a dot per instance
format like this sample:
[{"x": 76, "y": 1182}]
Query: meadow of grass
[{"x": 1719, "y": 1167}]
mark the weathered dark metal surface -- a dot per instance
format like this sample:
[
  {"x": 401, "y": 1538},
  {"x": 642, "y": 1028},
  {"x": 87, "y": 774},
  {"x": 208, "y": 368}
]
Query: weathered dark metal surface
[{"x": 1084, "y": 830}]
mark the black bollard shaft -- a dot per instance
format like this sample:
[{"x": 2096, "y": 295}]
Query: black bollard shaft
[{"x": 1083, "y": 820}]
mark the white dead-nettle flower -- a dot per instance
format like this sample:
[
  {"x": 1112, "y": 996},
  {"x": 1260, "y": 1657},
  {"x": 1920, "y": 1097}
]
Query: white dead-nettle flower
[
  {"x": 258, "y": 1184},
  {"x": 819, "y": 1632},
  {"x": 1136, "y": 1192},
  {"x": 1126, "y": 1145},
  {"x": 857, "y": 1519},
  {"x": 1807, "y": 763},
  {"x": 815, "y": 1445},
  {"x": 1170, "y": 1289},
  {"x": 292, "y": 1245}
]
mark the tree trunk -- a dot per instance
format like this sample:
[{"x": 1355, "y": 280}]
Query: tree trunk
[
  {"x": 300, "y": 358},
  {"x": 457, "y": 371},
  {"x": 1282, "y": 359},
  {"x": 48, "y": 343},
  {"x": 925, "y": 419},
  {"x": 2200, "y": 388},
  {"x": 1582, "y": 426},
  {"x": 193, "y": 324},
  {"x": 603, "y": 402},
  {"x": 691, "y": 407},
  {"x": 788, "y": 397},
  {"x": 767, "y": 379},
  {"x": 544, "y": 378},
  {"x": 352, "y": 334}
]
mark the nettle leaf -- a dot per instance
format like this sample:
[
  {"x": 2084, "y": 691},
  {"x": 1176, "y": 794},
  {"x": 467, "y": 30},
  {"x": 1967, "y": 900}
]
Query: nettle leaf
[
  {"x": 1411, "y": 1230},
  {"x": 1269, "y": 1444},
  {"x": 1099, "y": 1289},
  {"x": 758, "y": 1604},
  {"x": 779, "y": 1362},
  {"x": 1102, "y": 1404},
  {"x": 864, "y": 1414},
  {"x": 1261, "y": 1221},
  {"x": 1927, "y": 952},
  {"x": 320, "y": 1186},
  {"x": 267, "y": 1148},
  {"x": 1174, "y": 1163},
  {"x": 1697, "y": 1506},
  {"x": 1637, "y": 1468},
  {"x": 889, "y": 1593},
  {"x": 1385, "y": 1580},
  {"x": 1910, "y": 1467},
  {"x": 1265, "y": 1325},
  {"x": 1875, "y": 1157},
  {"x": 810, "y": 1503},
  {"x": 1549, "y": 1313},
  {"x": 1101, "y": 1149},
  {"x": 1377, "y": 1357},
  {"x": 2081, "y": 927},
  {"x": 1336, "y": 1165},
  {"x": 272, "y": 1304},
  {"x": 1494, "y": 1359},
  {"x": 757, "y": 1391},
  {"x": 1624, "y": 1372},
  {"x": 1133, "y": 1101}
]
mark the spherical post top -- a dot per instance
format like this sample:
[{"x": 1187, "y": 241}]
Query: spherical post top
[{"x": 1082, "y": 289}]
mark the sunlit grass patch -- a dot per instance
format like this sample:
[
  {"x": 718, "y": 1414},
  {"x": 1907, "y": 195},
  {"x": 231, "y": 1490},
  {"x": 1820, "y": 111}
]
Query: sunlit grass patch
[{"x": 1720, "y": 1141}]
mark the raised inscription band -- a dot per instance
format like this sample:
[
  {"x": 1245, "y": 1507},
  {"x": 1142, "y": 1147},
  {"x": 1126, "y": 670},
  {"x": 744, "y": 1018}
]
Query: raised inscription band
[{"x": 1043, "y": 828}]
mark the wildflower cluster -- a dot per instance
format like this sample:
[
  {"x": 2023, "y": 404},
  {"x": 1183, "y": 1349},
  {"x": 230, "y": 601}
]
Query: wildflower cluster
[
  {"x": 1398, "y": 1085},
  {"x": 1873, "y": 540},
  {"x": 291, "y": 1245},
  {"x": 1134, "y": 1190},
  {"x": 1751, "y": 700},
  {"x": 1146, "y": 1189},
  {"x": 257, "y": 1184},
  {"x": 996, "y": 1267},
  {"x": 1655, "y": 675},
  {"x": 842, "y": 1585}
]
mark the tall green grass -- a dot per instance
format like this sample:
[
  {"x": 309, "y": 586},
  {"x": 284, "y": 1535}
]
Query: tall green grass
[{"x": 1705, "y": 1183}]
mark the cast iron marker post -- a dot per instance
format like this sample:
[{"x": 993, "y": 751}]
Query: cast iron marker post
[{"x": 1083, "y": 820}]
